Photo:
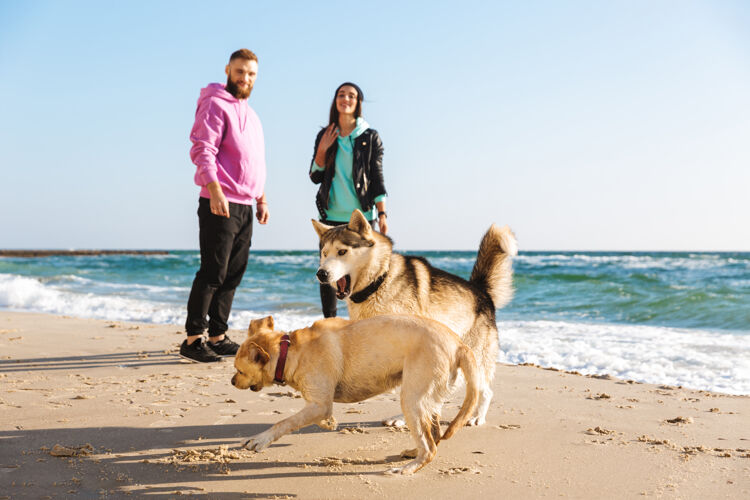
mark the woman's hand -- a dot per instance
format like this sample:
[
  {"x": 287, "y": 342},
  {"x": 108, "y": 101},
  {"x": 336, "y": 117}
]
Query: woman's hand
[
  {"x": 383, "y": 223},
  {"x": 328, "y": 138}
]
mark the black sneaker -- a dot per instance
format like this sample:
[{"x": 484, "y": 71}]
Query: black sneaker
[
  {"x": 224, "y": 347},
  {"x": 198, "y": 351}
]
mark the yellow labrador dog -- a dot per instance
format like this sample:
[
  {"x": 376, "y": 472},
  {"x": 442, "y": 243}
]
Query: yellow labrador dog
[{"x": 350, "y": 361}]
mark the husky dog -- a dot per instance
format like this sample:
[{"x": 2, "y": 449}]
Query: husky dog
[{"x": 360, "y": 264}]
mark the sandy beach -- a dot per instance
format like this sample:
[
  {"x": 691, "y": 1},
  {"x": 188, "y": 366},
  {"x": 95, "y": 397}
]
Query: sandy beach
[{"x": 98, "y": 409}]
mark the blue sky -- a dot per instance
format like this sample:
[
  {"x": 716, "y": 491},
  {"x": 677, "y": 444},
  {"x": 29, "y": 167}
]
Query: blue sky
[{"x": 619, "y": 125}]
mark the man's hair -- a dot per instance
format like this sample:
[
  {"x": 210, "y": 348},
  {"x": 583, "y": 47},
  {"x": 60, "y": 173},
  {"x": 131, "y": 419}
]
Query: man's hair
[{"x": 243, "y": 54}]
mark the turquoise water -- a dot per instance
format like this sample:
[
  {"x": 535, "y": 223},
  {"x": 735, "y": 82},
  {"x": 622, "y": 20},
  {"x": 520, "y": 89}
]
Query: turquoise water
[
  {"x": 623, "y": 313},
  {"x": 686, "y": 290}
]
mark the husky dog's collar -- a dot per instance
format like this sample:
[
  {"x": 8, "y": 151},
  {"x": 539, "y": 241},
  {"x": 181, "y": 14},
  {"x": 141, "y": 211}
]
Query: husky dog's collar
[
  {"x": 365, "y": 293},
  {"x": 283, "y": 348}
]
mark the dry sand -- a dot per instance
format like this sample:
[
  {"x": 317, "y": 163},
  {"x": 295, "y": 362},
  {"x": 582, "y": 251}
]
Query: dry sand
[{"x": 98, "y": 409}]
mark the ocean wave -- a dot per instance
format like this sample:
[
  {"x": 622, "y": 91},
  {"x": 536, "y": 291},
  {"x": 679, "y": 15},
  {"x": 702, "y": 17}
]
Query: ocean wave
[
  {"x": 67, "y": 278},
  {"x": 301, "y": 260},
  {"x": 452, "y": 262},
  {"x": 130, "y": 288},
  {"x": 20, "y": 293},
  {"x": 77, "y": 283},
  {"x": 633, "y": 261},
  {"x": 29, "y": 294},
  {"x": 696, "y": 359},
  {"x": 283, "y": 320}
]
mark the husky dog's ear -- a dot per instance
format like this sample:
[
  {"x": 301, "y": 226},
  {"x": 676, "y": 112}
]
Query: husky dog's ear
[
  {"x": 320, "y": 228},
  {"x": 258, "y": 354},
  {"x": 258, "y": 325},
  {"x": 359, "y": 224}
]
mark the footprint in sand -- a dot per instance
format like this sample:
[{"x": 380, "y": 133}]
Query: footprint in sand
[
  {"x": 679, "y": 420},
  {"x": 459, "y": 470},
  {"x": 600, "y": 431}
]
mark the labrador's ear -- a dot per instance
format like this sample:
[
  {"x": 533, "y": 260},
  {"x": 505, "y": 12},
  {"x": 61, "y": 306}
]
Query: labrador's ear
[
  {"x": 257, "y": 354},
  {"x": 259, "y": 325},
  {"x": 319, "y": 227}
]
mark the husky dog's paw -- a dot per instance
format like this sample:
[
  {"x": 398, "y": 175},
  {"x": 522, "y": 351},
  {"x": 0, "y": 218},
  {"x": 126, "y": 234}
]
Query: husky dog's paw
[
  {"x": 398, "y": 421},
  {"x": 259, "y": 442},
  {"x": 475, "y": 421}
]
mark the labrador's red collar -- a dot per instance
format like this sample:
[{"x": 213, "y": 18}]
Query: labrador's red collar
[{"x": 283, "y": 348}]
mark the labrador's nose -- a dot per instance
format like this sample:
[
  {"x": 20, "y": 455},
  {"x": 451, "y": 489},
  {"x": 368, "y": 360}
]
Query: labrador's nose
[{"x": 323, "y": 276}]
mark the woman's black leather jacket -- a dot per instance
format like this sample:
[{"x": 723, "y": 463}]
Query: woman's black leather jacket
[{"x": 367, "y": 171}]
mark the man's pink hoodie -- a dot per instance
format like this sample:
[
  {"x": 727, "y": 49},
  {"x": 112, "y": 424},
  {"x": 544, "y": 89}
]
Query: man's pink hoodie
[{"x": 228, "y": 146}]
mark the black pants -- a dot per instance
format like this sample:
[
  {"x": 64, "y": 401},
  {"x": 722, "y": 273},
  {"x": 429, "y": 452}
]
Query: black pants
[
  {"x": 327, "y": 292},
  {"x": 225, "y": 247}
]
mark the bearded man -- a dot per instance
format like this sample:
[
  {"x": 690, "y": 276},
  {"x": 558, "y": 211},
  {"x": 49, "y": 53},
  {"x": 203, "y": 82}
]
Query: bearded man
[{"x": 229, "y": 154}]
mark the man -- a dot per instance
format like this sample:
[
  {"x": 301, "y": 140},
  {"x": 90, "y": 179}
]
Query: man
[{"x": 229, "y": 153}]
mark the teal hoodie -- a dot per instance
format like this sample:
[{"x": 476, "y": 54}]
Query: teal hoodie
[{"x": 343, "y": 200}]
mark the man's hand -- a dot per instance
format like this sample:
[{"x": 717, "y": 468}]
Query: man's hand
[
  {"x": 261, "y": 212},
  {"x": 219, "y": 203}
]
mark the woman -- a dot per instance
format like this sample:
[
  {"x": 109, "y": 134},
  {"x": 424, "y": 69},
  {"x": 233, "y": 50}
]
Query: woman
[{"x": 348, "y": 165}]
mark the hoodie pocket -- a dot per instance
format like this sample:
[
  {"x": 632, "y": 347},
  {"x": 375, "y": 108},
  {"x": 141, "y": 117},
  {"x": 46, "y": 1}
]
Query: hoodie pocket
[{"x": 244, "y": 168}]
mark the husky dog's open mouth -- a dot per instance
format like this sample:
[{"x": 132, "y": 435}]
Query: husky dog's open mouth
[{"x": 343, "y": 287}]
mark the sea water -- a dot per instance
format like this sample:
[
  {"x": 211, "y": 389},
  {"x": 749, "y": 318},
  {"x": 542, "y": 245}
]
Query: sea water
[{"x": 657, "y": 317}]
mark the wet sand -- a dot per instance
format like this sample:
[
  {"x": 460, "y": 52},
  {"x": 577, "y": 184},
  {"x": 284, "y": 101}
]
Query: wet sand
[{"x": 101, "y": 409}]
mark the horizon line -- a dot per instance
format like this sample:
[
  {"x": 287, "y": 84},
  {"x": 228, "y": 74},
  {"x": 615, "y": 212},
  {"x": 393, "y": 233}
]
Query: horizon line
[{"x": 10, "y": 252}]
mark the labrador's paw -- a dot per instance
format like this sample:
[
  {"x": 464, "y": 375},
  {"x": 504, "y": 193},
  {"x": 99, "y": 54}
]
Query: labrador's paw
[
  {"x": 398, "y": 421},
  {"x": 259, "y": 442},
  {"x": 328, "y": 423}
]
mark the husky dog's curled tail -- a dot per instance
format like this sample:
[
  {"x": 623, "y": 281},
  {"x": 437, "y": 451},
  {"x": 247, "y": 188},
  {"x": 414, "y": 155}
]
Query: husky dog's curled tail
[
  {"x": 468, "y": 365},
  {"x": 493, "y": 270}
]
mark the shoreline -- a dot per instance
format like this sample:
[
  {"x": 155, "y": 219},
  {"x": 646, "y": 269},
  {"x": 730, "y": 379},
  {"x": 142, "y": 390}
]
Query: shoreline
[
  {"x": 138, "y": 421},
  {"x": 606, "y": 372}
]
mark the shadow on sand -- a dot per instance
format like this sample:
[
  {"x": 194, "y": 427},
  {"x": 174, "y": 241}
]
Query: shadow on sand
[
  {"x": 109, "y": 360},
  {"x": 132, "y": 462}
]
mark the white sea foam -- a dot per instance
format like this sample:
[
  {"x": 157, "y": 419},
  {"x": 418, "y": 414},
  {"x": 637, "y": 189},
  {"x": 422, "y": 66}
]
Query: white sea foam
[
  {"x": 70, "y": 278},
  {"x": 143, "y": 289},
  {"x": 453, "y": 262},
  {"x": 29, "y": 294},
  {"x": 21, "y": 293},
  {"x": 283, "y": 320},
  {"x": 665, "y": 262},
  {"x": 301, "y": 260},
  {"x": 692, "y": 358}
]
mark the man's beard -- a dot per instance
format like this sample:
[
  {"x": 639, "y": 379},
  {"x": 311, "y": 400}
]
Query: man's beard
[{"x": 236, "y": 92}]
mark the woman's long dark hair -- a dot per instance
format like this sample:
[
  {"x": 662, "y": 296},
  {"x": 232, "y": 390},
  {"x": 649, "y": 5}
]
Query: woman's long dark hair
[{"x": 333, "y": 117}]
